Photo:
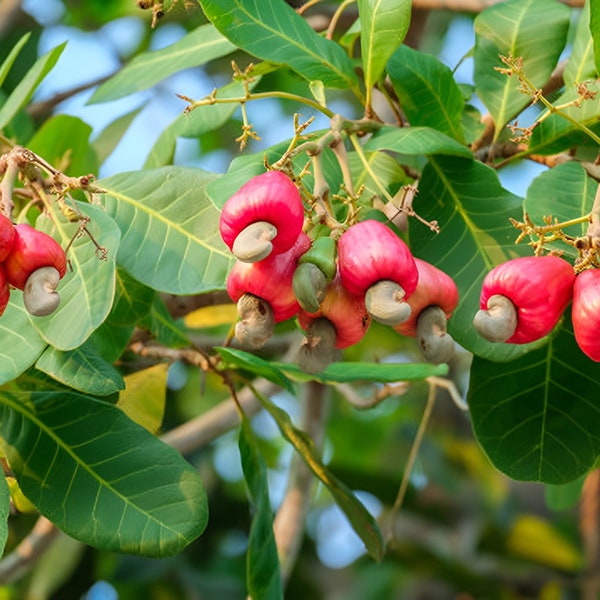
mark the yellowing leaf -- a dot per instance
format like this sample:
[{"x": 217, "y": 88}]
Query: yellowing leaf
[
  {"x": 536, "y": 540},
  {"x": 211, "y": 316},
  {"x": 21, "y": 502},
  {"x": 143, "y": 399}
]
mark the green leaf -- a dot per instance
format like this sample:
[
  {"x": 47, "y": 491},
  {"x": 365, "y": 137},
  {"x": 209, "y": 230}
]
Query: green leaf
[
  {"x": 517, "y": 28},
  {"x": 416, "y": 141},
  {"x": 263, "y": 575},
  {"x": 537, "y": 418},
  {"x": 194, "y": 124},
  {"x": 21, "y": 95},
  {"x": 556, "y": 134},
  {"x": 581, "y": 65},
  {"x": 565, "y": 496},
  {"x": 88, "y": 287},
  {"x": 595, "y": 30},
  {"x": 21, "y": 343},
  {"x": 472, "y": 210},
  {"x": 384, "y": 24},
  {"x": 273, "y": 31},
  {"x": 428, "y": 94},
  {"x": 256, "y": 365},
  {"x": 170, "y": 229},
  {"x": 10, "y": 59},
  {"x": 145, "y": 70},
  {"x": 100, "y": 477},
  {"x": 564, "y": 192},
  {"x": 81, "y": 369},
  {"x": 361, "y": 520},
  {"x": 133, "y": 300},
  {"x": 63, "y": 141},
  {"x": 4, "y": 513},
  {"x": 162, "y": 327}
]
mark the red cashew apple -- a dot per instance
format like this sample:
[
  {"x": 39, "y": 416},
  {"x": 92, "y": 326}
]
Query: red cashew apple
[
  {"x": 585, "y": 313},
  {"x": 264, "y": 293},
  {"x": 522, "y": 299},
  {"x": 432, "y": 304},
  {"x": 7, "y": 236},
  {"x": 373, "y": 261},
  {"x": 32, "y": 250},
  {"x": 264, "y": 216},
  {"x": 4, "y": 290}
]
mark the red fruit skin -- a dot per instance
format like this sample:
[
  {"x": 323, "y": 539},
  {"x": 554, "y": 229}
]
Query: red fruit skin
[
  {"x": 32, "y": 250},
  {"x": 585, "y": 312},
  {"x": 270, "y": 279},
  {"x": 346, "y": 312},
  {"x": 270, "y": 197},
  {"x": 540, "y": 287},
  {"x": 435, "y": 288},
  {"x": 4, "y": 290},
  {"x": 369, "y": 252},
  {"x": 7, "y": 236}
]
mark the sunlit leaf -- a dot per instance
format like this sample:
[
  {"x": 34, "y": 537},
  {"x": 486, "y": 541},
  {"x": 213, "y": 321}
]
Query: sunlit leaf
[
  {"x": 263, "y": 575},
  {"x": 384, "y": 24},
  {"x": 516, "y": 28},
  {"x": 274, "y": 32},
  {"x": 428, "y": 94},
  {"x": 595, "y": 30},
  {"x": 196, "y": 48},
  {"x": 100, "y": 477},
  {"x": 537, "y": 418},
  {"x": 581, "y": 65},
  {"x": 21, "y": 95},
  {"x": 170, "y": 229},
  {"x": 12, "y": 56},
  {"x": 143, "y": 399}
]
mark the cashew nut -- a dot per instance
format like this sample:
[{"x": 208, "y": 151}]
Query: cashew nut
[
  {"x": 256, "y": 322},
  {"x": 39, "y": 294},
  {"x": 254, "y": 242},
  {"x": 436, "y": 344},
  {"x": 499, "y": 322},
  {"x": 384, "y": 301},
  {"x": 318, "y": 348}
]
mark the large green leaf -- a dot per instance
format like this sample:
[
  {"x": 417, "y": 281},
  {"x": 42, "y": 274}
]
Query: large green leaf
[
  {"x": 384, "y": 24},
  {"x": 99, "y": 476},
  {"x": 472, "y": 210},
  {"x": 196, "y": 48},
  {"x": 519, "y": 28},
  {"x": 538, "y": 417},
  {"x": 428, "y": 94},
  {"x": 581, "y": 65},
  {"x": 170, "y": 229},
  {"x": 563, "y": 193},
  {"x": 416, "y": 140},
  {"x": 133, "y": 300},
  {"x": 262, "y": 562},
  {"x": 556, "y": 133},
  {"x": 273, "y": 31},
  {"x": 4, "y": 513},
  {"x": 81, "y": 369},
  {"x": 361, "y": 520},
  {"x": 21, "y": 95},
  {"x": 87, "y": 289},
  {"x": 595, "y": 30},
  {"x": 21, "y": 343}
]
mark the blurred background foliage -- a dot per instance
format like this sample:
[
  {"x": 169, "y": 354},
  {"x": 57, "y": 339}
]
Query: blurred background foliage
[{"x": 464, "y": 530}]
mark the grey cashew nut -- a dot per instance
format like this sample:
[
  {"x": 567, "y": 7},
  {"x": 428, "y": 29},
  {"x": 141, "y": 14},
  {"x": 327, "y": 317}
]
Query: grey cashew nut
[
  {"x": 436, "y": 344},
  {"x": 39, "y": 294},
  {"x": 256, "y": 324},
  {"x": 499, "y": 322},
  {"x": 318, "y": 348},
  {"x": 254, "y": 242},
  {"x": 385, "y": 303}
]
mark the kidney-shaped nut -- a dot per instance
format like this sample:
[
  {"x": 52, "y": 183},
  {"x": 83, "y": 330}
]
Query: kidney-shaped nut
[
  {"x": 264, "y": 216},
  {"x": 39, "y": 294},
  {"x": 32, "y": 250}
]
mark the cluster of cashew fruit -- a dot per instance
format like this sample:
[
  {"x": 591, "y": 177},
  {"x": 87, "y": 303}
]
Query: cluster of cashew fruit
[
  {"x": 333, "y": 284},
  {"x": 31, "y": 261},
  {"x": 523, "y": 299}
]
